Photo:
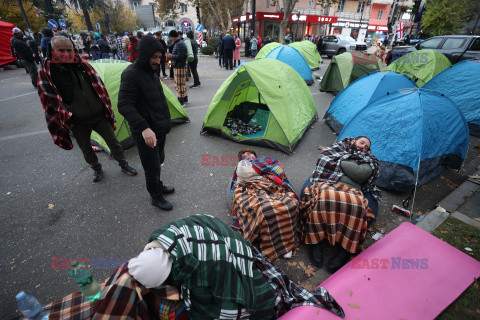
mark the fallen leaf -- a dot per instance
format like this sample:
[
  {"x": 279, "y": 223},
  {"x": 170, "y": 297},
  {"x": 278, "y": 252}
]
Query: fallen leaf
[
  {"x": 353, "y": 305},
  {"x": 452, "y": 185},
  {"x": 309, "y": 287},
  {"x": 38, "y": 285},
  {"x": 211, "y": 174},
  {"x": 51, "y": 205},
  {"x": 424, "y": 188},
  {"x": 310, "y": 272},
  {"x": 419, "y": 213},
  {"x": 475, "y": 284},
  {"x": 478, "y": 219},
  {"x": 301, "y": 264},
  {"x": 400, "y": 219},
  {"x": 449, "y": 223},
  {"x": 476, "y": 147},
  {"x": 443, "y": 231},
  {"x": 292, "y": 264},
  {"x": 350, "y": 293},
  {"x": 321, "y": 147}
]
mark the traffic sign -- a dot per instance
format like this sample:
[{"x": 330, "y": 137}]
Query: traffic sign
[
  {"x": 53, "y": 24},
  {"x": 199, "y": 27},
  {"x": 62, "y": 23}
]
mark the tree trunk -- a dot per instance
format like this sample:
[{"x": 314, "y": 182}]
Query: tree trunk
[
  {"x": 19, "y": 2},
  {"x": 288, "y": 6},
  {"x": 88, "y": 22}
]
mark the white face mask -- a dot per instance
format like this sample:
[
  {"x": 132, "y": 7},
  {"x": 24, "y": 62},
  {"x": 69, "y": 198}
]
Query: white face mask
[{"x": 151, "y": 268}]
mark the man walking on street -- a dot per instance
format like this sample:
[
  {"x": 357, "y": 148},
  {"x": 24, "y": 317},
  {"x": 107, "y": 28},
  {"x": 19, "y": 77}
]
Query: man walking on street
[
  {"x": 179, "y": 65},
  {"x": 192, "y": 65},
  {"x": 228, "y": 47},
  {"x": 25, "y": 54},
  {"x": 143, "y": 104},
  {"x": 163, "y": 59},
  {"x": 75, "y": 99}
]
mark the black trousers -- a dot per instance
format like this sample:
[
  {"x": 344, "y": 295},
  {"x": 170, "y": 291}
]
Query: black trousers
[
  {"x": 192, "y": 65},
  {"x": 82, "y": 131},
  {"x": 151, "y": 159},
  {"x": 228, "y": 58},
  {"x": 163, "y": 61}
]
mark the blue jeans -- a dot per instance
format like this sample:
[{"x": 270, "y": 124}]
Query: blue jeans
[{"x": 372, "y": 203}]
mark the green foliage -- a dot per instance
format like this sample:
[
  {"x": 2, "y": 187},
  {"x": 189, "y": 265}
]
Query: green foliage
[
  {"x": 208, "y": 50},
  {"x": 214, "y": 42},
  {"x": 446, "y": 16}
]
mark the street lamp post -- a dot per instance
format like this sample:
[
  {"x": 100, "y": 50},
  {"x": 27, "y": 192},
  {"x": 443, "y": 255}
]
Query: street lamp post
[
  {"x": 19, "y": 2},
  {"x": 253, "y": 16}
]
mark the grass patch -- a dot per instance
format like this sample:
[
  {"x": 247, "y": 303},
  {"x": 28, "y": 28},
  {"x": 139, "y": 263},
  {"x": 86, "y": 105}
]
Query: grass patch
[{"x": 461, "y": 235}]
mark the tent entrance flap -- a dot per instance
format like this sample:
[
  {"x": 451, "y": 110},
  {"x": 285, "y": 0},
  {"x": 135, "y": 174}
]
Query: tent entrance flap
[{"x": 248, "y": 119}]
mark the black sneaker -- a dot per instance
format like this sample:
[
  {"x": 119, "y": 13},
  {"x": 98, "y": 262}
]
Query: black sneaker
[
  {"x": 167, "y": 190},
  {"x": 97, "y": 175},
  {"x": 338, "y": 260},
  {"x": 194, "y": 86},
  {"x": 129, "y": 170},
  {"x": 162, "y": 204},
  {"x": 316, "y": 255}
]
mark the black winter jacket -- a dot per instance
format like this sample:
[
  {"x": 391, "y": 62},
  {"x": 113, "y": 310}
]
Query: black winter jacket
[
  {"x": 141, "y": 99},
  {"x": 228, "y": 43},
  {"x": 22, "y": 50},
  {"x": 179, "y": 54}
]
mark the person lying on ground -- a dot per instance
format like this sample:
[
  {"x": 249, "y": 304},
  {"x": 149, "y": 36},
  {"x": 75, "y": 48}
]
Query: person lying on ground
[
  {"x": 218, "y": 273},
  {"x": 265, "y": 206},
  {"x": 338, "y": 200}
]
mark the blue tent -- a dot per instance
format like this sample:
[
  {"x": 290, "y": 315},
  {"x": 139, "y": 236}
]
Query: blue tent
[
  {"x": 241, "y": 64},
  {"x": 461, "y": 83},
  {"x": 410, "y": 135},
  {"x": 361, "y": 93},
  {"x": 294, "y": 59}
]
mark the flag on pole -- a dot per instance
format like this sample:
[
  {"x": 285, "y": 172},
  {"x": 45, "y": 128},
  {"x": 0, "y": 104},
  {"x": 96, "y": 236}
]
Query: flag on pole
[{"x": 400, "y": 30}]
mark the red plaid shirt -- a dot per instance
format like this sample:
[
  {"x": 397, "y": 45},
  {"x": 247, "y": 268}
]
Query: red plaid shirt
[{"x": 57, "y": 116}]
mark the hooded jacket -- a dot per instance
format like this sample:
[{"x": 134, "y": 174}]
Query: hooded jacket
[{"x": 141, "y": 99}]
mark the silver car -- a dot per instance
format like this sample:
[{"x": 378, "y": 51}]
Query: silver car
[{"x": 338, "y": 44}]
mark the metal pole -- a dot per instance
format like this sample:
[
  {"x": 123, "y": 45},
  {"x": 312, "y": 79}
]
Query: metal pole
[
  {"x": 19, "y": 2},
  {"x": 198, "y": 12},
  {"x": 253, "y": 16},
  {"x": 476, "y": 24}
]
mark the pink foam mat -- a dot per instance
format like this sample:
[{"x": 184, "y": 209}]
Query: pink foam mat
[{"x": 409, "y": 274}]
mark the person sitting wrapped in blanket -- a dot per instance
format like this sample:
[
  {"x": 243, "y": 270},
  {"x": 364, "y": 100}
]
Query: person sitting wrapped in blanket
[
  {"x": 338, "y": 200},
  {"x": 218, "y": 273},
  {"x": 265, "y": 206}
]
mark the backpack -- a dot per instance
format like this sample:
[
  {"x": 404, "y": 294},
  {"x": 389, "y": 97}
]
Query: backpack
[{"x": 190, "y": 56}]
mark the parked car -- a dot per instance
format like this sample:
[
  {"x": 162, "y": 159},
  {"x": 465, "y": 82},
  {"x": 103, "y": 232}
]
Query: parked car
[
  {"x": 455, "y": 47},
  {"x": 338, "y": 44}
]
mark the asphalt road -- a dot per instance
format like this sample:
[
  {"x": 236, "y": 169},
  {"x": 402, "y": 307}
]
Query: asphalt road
[{"x": 50, "y": 209}]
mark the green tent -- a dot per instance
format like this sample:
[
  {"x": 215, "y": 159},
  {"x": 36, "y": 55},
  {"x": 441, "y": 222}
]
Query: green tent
[
  {"x": 110, "y": 71},
  {"x": 266, "y": 93},
  {"x": 309, "y": 51},
  {"x": 421, "y": 65},
  {"x": 265, "y": 50},
  {"x": 346, "y": 68}
]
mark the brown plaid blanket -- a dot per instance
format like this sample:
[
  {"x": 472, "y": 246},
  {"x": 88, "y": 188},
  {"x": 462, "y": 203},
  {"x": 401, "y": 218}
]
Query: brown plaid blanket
[
  {"x": 180, "y": 78},
  {"x": 335, "y": 212},
  {"x": 267, "y": 215},
  {"x": 122, "y": 298}
]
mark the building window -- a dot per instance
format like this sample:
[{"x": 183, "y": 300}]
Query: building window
[
  {"x": 341, "y": 6},
  {"x": 361, "y": 7},
  {"x": 184, "y": 8},
  {"x": 135, "y": 4},
  {"x": 310, "y": 4},
  {"x": 267, "y": 4},
  {"x": 380, "y": 14}
]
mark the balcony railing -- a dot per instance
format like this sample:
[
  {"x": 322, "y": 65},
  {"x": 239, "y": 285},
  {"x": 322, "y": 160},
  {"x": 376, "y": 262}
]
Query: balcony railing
[
  {"x": 383, "y": 1},
  {"x": 351, "y": 15}
]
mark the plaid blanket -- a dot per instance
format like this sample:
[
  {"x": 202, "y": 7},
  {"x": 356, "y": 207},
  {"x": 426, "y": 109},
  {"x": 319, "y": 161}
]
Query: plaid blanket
[
  {"x": 57, "y": 116},
  {"x": 180, "y": 78},
  {"x": 288, "y": 294},
  {"x": 328, "y": 165},
  {"x": 267, "y": 214},
  {"x": 122, "y": 296},
  {"x": 125, "y": 298},
  {"x": 336, "y": 212},
  {"x": 269, "y": 168},
  {"x": 213, "y": 267}
]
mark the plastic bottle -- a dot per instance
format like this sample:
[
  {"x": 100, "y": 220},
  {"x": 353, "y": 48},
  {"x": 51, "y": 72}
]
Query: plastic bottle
[
  {"x": 30, "y": 307},
  {"x": 80, "y": 273}
]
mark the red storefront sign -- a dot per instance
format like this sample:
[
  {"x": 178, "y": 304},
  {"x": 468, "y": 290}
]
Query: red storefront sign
[
  {"x": 273, "y": 16},
  {"x": 377, "y": 28}
]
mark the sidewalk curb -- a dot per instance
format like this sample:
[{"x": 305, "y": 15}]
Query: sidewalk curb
[
  {"x": 449, "y": 205},
  {"x": 466, "y": 219}
]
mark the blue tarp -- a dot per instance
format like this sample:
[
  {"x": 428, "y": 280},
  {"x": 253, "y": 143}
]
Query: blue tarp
[
  {"x": 408, "y": 127},
  {"x": 461, "y": 83},
  {"x": 294, "y": 59},
  {"x": 361, "y": 93}
]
